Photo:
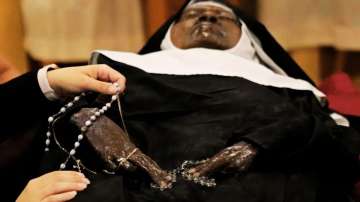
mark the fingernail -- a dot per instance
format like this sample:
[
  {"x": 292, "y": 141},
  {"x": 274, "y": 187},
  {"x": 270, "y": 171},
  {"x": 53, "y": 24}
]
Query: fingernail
[
  {"x": 116, "y": 85},
  {"x": 81, "y": 174},
  {"x": 87, "y": 181},
  {"x": 82, "y": 186},
  {"x": 114, "y": 88},
  {"x": 163, "y": 184}
]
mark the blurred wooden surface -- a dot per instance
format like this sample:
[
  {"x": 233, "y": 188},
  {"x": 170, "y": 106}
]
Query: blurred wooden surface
[
  {"x": 317, "y": 62},
  {"x": 11, "y": 34},
  {"x": 352, "y": 66},
  {"x": 310, "y": 60},
  {"x": 320, "y": 63}
]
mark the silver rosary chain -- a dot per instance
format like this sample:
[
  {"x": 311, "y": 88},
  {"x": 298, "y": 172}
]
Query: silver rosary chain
[{"x": 181, "y": 171}]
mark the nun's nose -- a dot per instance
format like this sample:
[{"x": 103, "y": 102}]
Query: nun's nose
[{"x": 208, "y": 18}]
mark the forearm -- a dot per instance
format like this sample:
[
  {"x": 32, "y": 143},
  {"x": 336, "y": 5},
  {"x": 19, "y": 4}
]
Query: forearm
[
  {"x": 27, "y": 97},
  {"x": 238, "y": 157},
  {"x": 24, "y": 85},
  {"x": 21, "y": 99},
  {"x": 283, "y": 136}
]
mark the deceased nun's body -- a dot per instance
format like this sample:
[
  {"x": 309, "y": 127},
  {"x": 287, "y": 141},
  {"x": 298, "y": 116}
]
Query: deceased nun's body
[{"x": 248, "y": 109}]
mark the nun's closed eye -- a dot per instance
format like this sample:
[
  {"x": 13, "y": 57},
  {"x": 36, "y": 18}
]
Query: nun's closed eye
[
  {"x": 221, "y": 15},
  {"x": 227, "y": 16},
  {"x": 190, "y": 14}
]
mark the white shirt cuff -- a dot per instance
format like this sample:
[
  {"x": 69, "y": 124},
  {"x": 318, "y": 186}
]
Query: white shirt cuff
[{"x": 44, "y": 83}]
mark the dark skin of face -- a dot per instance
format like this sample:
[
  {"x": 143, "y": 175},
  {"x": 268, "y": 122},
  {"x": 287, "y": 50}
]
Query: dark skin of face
[{"x": 206, "y": 26}]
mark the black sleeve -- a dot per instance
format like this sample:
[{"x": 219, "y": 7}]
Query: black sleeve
[
  {"x": 21, "y": 100},
  {"x": 307, "y": 137},
  {"x": 23, "y": 120}
]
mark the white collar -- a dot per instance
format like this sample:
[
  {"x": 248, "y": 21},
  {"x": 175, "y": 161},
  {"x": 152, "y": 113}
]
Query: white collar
[
  {"x": 193, "y": 4},
  {"x": 248, "y": 47},
  {"x": 243, "y": 48},
  {"x": 200, "y": 61},
  {"x": 197, "y": 61}
]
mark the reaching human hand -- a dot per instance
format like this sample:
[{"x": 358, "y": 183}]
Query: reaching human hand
[
  {"x": 57, "y": 186},
  {"x": 98, "y": 78}
]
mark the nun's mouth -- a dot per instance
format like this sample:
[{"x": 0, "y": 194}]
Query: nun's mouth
[
  {"x": 207, "y": 35},
  {"x": 206, "y": 29}
]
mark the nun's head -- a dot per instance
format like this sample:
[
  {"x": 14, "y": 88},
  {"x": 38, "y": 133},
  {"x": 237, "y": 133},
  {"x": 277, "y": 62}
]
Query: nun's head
[{"x": 206, "y": 24}]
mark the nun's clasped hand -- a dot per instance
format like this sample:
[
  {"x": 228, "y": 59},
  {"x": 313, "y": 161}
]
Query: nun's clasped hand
[{"x": 238, "y": 157}]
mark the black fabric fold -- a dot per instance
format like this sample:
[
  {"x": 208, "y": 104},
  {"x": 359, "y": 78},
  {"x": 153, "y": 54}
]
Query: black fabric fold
[
  {"x": 175, "y": 118},
  {"x": 23, "y": 119}
]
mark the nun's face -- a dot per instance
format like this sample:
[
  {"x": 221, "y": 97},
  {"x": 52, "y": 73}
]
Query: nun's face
[{"x": 206, "y": 26}]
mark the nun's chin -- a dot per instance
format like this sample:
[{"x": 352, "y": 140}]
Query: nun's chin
[
  {"x": 206, "y": 42},
  {"x": 206, "y": 38}
]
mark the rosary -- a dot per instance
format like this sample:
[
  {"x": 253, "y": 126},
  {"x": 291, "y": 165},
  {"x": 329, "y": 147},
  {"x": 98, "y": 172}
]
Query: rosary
[
  {"x": 99, "y": 112},
  {"x": 122, "y": 161}
]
